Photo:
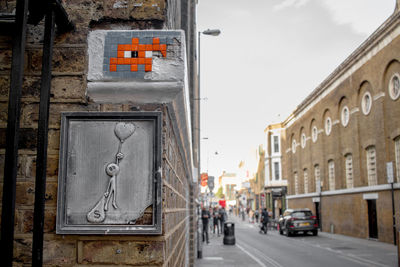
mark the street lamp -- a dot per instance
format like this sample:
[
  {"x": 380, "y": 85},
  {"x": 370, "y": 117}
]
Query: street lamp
[{"x": 213, "y": 32}]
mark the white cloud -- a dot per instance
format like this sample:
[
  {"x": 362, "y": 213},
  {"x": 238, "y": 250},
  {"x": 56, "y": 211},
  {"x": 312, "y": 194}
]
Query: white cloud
[{"x": 290, "y": 3}]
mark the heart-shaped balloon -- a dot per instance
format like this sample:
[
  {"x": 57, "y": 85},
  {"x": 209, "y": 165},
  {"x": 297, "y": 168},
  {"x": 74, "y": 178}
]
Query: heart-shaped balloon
[{"x": 124, "y": 130}]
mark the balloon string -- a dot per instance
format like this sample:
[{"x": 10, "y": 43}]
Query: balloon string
[{"x": 119, "y": 151}]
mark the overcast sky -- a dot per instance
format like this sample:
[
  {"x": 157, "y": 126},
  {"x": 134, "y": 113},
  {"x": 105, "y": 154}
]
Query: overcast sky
[{"x": 270, "y": 55}]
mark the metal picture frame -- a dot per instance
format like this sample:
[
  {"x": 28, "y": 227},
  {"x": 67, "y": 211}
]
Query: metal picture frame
[{"x": 110, "y": 173}]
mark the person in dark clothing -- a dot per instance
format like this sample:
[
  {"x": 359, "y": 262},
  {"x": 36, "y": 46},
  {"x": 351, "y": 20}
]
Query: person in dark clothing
[
  {"x": 256, "y": 215},
  {"x": 222, "y": 218},
  {"x": 205, "y": 216},
  {"x": 264, "y": 221},
  {"x": 215, "y": 221}
]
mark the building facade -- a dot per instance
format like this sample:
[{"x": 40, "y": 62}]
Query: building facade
[
  {"x": 275, "y": 186},
  {"x": 341, "y": 139},
  {"x": 130, "y": 88}
]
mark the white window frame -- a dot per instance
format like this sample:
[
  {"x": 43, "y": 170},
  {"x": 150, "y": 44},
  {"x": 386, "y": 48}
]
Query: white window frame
[
  {"x": 274, "y": 170},
  {"x": 294, "y": 144},
  {"x": 314, "y": 134},
  {"x": 331, "y": 174},
  {"x": 273, "y": 144},
  {"x": 296, "y": 183},
  {"x": 305, "y": 175},
  {"x": 303, "y": 140},
  {"x": 371, "y": 166},
  {"x": 394, "y": 96},
  {"x": 317, "y": 175},
  {"x": 366, "y": 109},
  {"x": 345, "y": 116},
  {"x": 349, "y": 170},
  {"x": 328, "y": 126}
]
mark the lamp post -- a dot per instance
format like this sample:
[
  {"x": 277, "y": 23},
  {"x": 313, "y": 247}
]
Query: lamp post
[{"x": 213, "y": 32}]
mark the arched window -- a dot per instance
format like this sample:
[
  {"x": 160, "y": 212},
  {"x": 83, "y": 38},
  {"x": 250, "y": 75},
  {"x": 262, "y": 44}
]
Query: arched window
[
  {"x": 331, "y": 174},
  {"x": 371, "y": 166},
  {"x": 317, "y": 176},
  {"x": 349, "y": 170},
  {"x": 305, "y": 174}
]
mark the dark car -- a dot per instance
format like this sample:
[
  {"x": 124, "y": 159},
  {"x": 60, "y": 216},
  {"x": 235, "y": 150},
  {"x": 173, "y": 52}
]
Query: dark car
[{"x": 298, "y": 220}]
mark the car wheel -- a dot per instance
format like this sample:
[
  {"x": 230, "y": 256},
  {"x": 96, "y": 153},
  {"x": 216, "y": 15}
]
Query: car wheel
[
  {"x": 315, "y": 233},
  {"x": 287, "y": 233}
]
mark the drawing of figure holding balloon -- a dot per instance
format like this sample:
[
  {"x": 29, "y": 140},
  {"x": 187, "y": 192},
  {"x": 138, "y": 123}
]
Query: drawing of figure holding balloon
[{"x": 122, "y": 131}]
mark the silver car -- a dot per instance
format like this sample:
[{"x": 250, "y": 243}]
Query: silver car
[{"x": 298, "y": 220}]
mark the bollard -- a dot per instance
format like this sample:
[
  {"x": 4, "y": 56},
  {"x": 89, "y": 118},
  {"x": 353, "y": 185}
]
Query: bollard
[{"x": 229, "y": 233}]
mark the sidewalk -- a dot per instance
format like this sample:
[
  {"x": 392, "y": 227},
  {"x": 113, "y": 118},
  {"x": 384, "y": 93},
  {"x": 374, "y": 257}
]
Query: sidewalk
[{"x": 219, "y": 255}]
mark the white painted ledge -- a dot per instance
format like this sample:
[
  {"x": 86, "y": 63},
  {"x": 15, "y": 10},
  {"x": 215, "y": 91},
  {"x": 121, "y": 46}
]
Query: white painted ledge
[{"x": 364, "y": 189}]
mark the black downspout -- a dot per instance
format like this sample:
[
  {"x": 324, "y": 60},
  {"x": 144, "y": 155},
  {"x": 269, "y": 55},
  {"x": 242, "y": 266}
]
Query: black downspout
[
  {"x": 12, "y": 135},
  {"x": 42, "y": 139}
]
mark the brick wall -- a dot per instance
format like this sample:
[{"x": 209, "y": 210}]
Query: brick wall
[
  {"x": 68, "y": 93},
  {"x": 348, "y": 212}
]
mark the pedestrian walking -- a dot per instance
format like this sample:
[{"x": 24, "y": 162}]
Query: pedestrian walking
[
  {"x": 222, "y": 218},
  {"x": 256, "y": 215},
  {"x": 205, "y": 216},
  {"x": 215, "y": 221},
  {"x": 264, "y": 221}
]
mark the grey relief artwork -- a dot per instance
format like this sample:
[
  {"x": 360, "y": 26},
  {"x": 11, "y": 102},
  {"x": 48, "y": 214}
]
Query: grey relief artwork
[
  {"x": 98, "y": 214},
  {"x": 109, "y": 172}
]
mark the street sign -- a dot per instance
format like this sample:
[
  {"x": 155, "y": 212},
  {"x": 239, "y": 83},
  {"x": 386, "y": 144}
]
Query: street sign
[
  {"x": 204, "y": 178},
  {"x": 389, "y": 172},
  {"x": 210, "y": 183}
]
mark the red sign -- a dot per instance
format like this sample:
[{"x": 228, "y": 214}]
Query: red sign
[
  {"x": 222, "y": 203},
  {"x": 204, "y": 179}
]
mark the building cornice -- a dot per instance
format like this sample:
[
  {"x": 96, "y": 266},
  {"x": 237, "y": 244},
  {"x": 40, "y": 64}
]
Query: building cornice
[{"x": 387, "y": 32}]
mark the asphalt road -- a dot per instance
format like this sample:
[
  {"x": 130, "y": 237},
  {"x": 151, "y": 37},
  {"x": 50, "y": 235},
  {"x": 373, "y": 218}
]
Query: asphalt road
[{"x": 255, "y": 249}]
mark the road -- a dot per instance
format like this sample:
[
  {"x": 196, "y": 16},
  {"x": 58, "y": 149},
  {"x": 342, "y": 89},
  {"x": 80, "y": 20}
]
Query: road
[{"x": 255, "y": 249}]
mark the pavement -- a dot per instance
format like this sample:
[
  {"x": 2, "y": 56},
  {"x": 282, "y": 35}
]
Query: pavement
[{"x": 217, "y": 254}]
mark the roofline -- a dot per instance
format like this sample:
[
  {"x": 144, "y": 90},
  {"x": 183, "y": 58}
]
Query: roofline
[{"x": 347, "y": 65}]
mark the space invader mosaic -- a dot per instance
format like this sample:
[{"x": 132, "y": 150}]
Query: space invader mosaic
[{"x": 129, "y": 54}]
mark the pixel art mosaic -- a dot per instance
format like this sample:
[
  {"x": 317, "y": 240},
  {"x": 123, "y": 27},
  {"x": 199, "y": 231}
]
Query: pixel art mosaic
[{"x": 129, "y": 54}]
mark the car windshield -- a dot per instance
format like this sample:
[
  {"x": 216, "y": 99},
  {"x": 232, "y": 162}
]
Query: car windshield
[{"x": 301, "y": 214}]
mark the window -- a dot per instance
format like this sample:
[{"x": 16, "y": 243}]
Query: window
[
  {"x": 303, "y": 140},
  {"x": 305, "y": 181},
  {"x": 317, "y": 176},
  {"x": 314, "y": 134},
  {"x": 366, "y": 103},
  {"x": 276, "y": 170},
  {"x": 394, "y": 86},
  {"x": 296, "y": 184},
  {"x": 276, "y": 144},
  {"x": 331, "y": 174},
  {"x": 397, "y": 157},
  {"x": 294, "y": 146},
  {"x": 345, "y": 116},
  {"x": 328, "y": 126},
  {"x": 371, "y": 166},
  {"x": 349, "y": 171}
]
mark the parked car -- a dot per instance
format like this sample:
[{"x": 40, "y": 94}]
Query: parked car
[{"x": 298, "y": 220}]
